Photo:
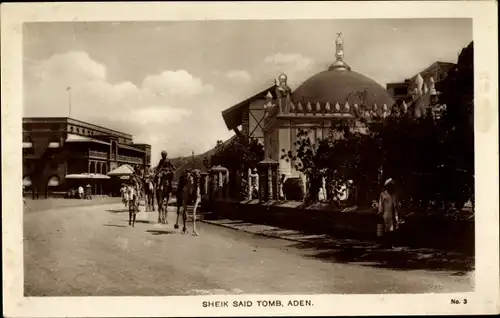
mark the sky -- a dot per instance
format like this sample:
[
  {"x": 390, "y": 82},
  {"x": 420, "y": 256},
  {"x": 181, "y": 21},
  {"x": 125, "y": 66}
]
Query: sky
[{"x": 166, "y": 83}]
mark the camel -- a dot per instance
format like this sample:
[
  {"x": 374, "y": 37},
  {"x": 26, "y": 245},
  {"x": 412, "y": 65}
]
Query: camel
[
  {"x": 188, "y": 191},
  {"x": 163, "y": 190}
]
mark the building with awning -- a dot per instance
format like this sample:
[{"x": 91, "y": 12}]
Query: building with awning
[
  {"x": 124, "y": 170},
  {"x": 58, "y": 151}
]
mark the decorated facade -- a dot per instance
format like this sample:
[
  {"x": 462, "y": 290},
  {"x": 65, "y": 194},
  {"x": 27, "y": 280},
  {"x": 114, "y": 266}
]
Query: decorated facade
[
  {"x": 336, "y": 94},
  {"x": 54, "y": 148}
]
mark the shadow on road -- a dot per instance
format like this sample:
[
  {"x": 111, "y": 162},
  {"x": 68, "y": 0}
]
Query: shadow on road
[
  {"x": 114, "y": 225},
  {"x": 160, "y": 232},
  {"x": 117, "y": 211},
  {"x": 400, "y": 258},
  {"x": 144, "y": 221}
]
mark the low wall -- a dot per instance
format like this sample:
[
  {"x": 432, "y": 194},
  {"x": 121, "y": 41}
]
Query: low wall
[{"x": 419, "y": 230}]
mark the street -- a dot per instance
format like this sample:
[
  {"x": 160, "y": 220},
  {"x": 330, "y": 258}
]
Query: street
[{"x": 90, "y": 250}]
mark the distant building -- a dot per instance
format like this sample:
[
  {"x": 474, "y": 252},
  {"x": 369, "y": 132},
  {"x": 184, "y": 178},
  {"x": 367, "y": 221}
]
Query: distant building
[
  {"x": 56, "y": 147},
  {"x": 403, "y": 90}
]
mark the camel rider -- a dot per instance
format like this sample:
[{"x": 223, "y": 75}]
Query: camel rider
[{"x": 164, "y": 163}]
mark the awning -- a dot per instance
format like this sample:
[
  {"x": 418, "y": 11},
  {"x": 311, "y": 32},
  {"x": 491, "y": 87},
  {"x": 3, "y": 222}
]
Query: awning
[
  {"x": 27, "y": 181},
  {"x": 53, "y": 145},
  {"x": 123, "y": 170},
  {"x": 78, "y": 138},
  {"x": 53, "y": 182},
  {"x": 96, "y": 176},
  {"x": 27, "y": 145}
]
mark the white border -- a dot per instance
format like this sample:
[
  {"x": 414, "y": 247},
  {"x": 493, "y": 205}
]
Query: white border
[{"x": 485, "y": 299}]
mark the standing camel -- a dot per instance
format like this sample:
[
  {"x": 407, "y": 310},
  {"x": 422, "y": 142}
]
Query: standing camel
[
  {"x": 163, "y": 189},
  {"x": 188, "y": 191}
]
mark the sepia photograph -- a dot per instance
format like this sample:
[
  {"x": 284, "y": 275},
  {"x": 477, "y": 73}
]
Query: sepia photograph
[{"x": 280, "y": 159}]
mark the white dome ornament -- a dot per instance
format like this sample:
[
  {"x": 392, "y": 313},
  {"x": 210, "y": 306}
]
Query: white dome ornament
[
  {"x": 337, "y": 107},
  {"x": 309, "y": 107},
  {"x": 318, "y": 107},
  {"x": 299, "y": 107},
  {"x": 347, "y": 108},
  {"x": 327, "y": 107}
]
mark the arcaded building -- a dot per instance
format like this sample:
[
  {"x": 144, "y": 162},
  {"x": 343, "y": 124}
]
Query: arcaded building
[{"x": 54, "y": 148}]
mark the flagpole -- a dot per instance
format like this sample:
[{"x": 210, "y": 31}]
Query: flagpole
[{"x": 69, "y": 101}]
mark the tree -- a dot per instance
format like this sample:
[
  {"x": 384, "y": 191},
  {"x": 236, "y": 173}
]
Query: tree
[
  {"x": 431, "y": 158},
  {"x": 237, "y": 154}
]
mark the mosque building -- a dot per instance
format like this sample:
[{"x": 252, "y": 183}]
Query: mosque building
[{"x": 336, "y": 94}]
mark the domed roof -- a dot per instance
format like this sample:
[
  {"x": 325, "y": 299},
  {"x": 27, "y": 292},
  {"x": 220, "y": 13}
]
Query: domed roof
[{"x": 341, "y": 86}]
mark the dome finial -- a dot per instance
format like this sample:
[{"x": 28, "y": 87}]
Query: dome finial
[{"x": 339, "y": 55}]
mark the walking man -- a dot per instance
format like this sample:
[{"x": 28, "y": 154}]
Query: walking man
[
  {"x": 80, "y": 192},
  {"x": 388, "y": 209}
]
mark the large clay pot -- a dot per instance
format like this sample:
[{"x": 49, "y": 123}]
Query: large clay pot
[{"x": 293, "y": 188}]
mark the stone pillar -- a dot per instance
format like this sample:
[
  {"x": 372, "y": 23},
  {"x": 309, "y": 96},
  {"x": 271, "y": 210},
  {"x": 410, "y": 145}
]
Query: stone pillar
[
  {"x": 204, "y": 183},
  {"x": 249, "y": 184},
  {"x": 262, "y": 184},
  {"x": 227, "y": 184},
  {"x": 270, "y": 183},
  {"x": 220, "y": 185},
  {"x": 213, "y": 188},
  {"x": 269, "y": 180}
]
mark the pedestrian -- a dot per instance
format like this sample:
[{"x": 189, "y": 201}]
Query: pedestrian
[
  {"x": 388, "y": 210},
  {"x": 132, "y": 208},
  {"x": 80, "y": 192}
]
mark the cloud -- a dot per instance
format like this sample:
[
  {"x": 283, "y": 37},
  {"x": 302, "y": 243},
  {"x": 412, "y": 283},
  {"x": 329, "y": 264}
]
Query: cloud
[
  {"x": 238, "y": 75},
  {"x": 176, "y": 83},
  {"x": 159, "y": 111},
  {"x": 296, "y": 66},
  {"x": 289, "y": 62}
]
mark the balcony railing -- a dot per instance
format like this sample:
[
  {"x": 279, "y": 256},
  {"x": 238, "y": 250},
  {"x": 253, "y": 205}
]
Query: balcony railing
[
  {"x": 129, "y": 159},
  {"x": 98, "y": 154}
]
